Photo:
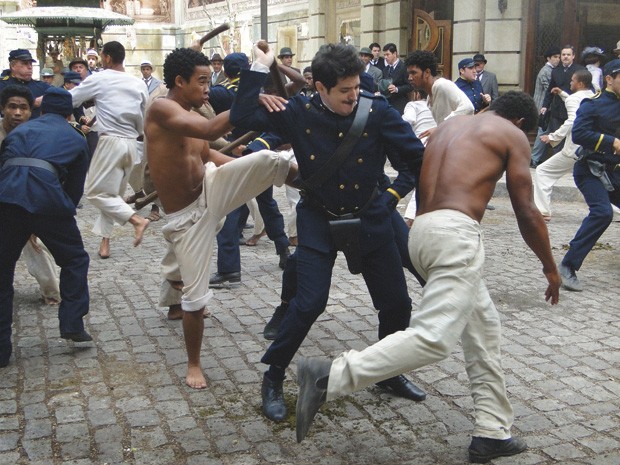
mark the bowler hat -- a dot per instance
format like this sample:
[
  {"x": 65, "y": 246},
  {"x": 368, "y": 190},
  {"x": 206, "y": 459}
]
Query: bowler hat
[
  {"x": 479, "y": 58},
  {"x": 57, "y": 100},
  {"x": 466, "y": 63},
  {"x": 286, "y": 52},
  {"x": 234, "y": 63},
  {"x": 216, "y": 57},
  {"x": 75, "y": 61},
  {"x": 365, "y": 51},
  {"x": 21, "y": 54}
]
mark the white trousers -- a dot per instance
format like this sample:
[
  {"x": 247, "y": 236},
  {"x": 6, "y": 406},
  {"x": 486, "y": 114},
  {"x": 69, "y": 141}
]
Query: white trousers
[
  {"x": 547, "y": 174},
  {"x": 191, "y": 232},
  {"x": 106, "y": 182},
  {"x": 446, "y": 248}
]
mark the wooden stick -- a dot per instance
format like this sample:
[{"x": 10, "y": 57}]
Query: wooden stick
[
  {"x": 210, "y": 35},
  {"x": 244, "y": 139}
]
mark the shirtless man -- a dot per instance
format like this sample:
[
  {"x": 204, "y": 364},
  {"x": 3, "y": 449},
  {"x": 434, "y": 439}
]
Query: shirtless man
[
  {"x": 445, "y": 246},
  {"x": 198, "y": 186}
]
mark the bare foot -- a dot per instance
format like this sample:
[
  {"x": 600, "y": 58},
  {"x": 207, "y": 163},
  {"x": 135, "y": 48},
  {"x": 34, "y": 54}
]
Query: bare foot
[
  {"x": 175, "y": 312},
  {"x": 50, "y": 300},
  {"x": 252, "y": 241},
  {"x": 178, "y": 285},
  {"x": 409, "y": 222},
  {"x": 293, "y": 241},
  {"x": 139, "y": 224},
  {"x": 104, "y": 248},
  {"x": 195, "y": 379}
]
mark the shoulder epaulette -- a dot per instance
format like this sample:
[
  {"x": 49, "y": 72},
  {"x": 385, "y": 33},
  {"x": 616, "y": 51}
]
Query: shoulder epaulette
[
  {"x": 6, "y": 78},
  {"x": 77, "y": 128},
  {"x": 597, "y": 95}
]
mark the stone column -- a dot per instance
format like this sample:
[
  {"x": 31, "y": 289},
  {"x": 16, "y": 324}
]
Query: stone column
[{"x": 317, "y": 27}]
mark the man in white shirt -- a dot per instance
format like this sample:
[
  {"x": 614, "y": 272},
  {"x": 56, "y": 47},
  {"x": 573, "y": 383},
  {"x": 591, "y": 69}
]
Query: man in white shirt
[
  {"x": 445, "y": 99},
  {"x": 121, "y": 101},
  {"x": 548, "y": 173}
]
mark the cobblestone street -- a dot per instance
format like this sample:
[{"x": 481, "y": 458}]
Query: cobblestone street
[{"x": 122, "y": 398}]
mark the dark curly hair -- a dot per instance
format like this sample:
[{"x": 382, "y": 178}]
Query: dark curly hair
[
  {"x": 514, "y": 105},
  {"x": 16, "y": 91},
  {"x": 335, "y": 61},
  {"x": 182, "y": 62},
  {"x": 424, "y": 60}
]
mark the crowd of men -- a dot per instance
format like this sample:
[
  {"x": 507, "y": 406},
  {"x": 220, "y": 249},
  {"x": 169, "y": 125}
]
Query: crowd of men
[{"x": 327, "y": 133}]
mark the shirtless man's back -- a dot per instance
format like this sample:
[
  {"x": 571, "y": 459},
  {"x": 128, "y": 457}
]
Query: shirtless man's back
[{"x": 198, "y": 187}]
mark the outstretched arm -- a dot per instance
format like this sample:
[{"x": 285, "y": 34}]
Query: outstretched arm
[{"x": 530, "y": 221}]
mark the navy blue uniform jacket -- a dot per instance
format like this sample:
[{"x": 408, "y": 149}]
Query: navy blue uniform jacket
[
  {"x": 598, "y": 122},
  {"x": 315, "y": 132},
  {"x": 50, "y": 138}
]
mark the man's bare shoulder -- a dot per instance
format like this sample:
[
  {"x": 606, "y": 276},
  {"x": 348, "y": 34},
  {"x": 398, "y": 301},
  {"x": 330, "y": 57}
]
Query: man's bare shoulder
[{"x": 162, "y": 106}]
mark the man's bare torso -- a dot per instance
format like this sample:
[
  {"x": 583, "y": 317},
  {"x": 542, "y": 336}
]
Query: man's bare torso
[
  {"x": 464, "y": 159},
  {"x": 176, "y": 163}
]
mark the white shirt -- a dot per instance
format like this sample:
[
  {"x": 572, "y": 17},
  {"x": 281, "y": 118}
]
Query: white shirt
[
  {"x": 572, "y": 103},
  {"x": 419, "y": 116},
  {"x": 447, "y": 100},
  {"x": 120, "y": 99}
]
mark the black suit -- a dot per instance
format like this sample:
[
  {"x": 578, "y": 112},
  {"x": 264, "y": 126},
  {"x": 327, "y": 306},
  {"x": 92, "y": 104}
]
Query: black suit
[
  {"x": 560, "y": 77},
  {"x": 398, "y": 75},
  {"x": 379, "y": 64}
]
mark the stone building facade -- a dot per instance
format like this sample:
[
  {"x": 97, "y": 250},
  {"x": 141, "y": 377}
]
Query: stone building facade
[{"x": 512, "y": 34}]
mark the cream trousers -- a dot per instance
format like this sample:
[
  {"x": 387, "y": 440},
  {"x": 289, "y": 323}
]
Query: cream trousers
[{"x": 446, "y": 248}]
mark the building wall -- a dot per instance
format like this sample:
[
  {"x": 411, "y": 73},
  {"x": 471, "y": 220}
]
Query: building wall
[{"x": 478, "y": 26}]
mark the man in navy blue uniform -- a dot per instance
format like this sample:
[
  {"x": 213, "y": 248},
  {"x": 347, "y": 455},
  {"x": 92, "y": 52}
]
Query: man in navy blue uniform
[
  {"x": 316, "y": 127},
  {"x": 597, "y": 173},
  {"x": 20, "y": 63},
  {"x": 44, "y": 164},
  {"x": 471, "y": 86},
  {"x": 228, "y": 272}
]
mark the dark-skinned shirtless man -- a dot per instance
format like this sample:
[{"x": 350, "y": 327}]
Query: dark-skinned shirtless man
[
  {"x": 198, "y": 187},
  {"x": 463, "y": 161}
]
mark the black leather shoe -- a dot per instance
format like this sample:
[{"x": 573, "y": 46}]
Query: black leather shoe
[
  {"x": 481, "y": 450},
  {"x": 312, "y": 375},
  {"x": 273, "y": 399},
  {"x": 283, "y": 258},
  {"x": 402, "y": 387},
  {"x": 271, "y": 329},
  {"x": 5, "y": 354},
  {"x": 82, "y": 336},
  {"x": 220, "y": 280}
]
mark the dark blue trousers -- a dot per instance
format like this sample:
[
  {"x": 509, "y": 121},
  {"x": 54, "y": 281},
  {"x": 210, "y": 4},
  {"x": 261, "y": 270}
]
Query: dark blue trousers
[
  {"x": 228, "y": 253},
  {"x": 600, "y": 216},
  {"x": 62, "y": 237},
  {"x": 383, "y": 273}
]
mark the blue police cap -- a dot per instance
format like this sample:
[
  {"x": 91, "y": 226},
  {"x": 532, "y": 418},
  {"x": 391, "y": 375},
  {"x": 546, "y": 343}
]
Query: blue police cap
[
  {"x": 234, "y": 63},
  {"x": 72, "y": 76},
  {"x": 57, "y": 100},
  {"x": 612, "y": 67},
  {"x": 21, "y": 54},
  {"x": 466, "y": 63}
]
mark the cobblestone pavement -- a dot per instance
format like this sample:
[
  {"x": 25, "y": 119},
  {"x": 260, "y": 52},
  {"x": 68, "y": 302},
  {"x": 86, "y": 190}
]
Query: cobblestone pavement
[{"x": 122, "y": 399}]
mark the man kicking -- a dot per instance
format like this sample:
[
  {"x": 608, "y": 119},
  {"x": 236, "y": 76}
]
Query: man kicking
[
  {"x": 446, "y": 248},
  {"x": 198, "y": 186}
]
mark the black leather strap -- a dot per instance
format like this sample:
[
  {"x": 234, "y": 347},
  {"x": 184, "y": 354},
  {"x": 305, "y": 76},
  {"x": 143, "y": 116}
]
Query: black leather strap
[{"x": 343, "y": 150}]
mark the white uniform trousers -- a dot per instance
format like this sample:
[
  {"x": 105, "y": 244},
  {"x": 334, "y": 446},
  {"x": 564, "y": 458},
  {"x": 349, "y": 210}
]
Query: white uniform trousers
[
  {"x": 106, "y": 181},
  {"x": 547, "y": 174}
]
